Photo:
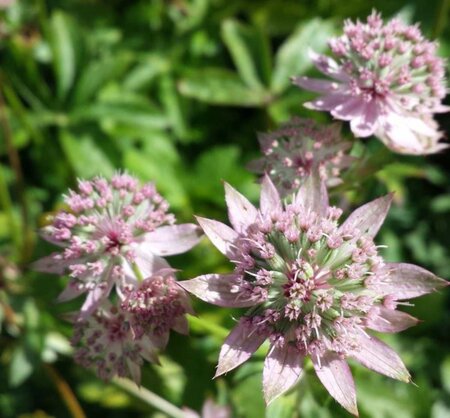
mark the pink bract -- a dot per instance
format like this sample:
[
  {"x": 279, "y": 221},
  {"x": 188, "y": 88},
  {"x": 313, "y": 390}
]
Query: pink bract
[
  {"x": 386, "y": 80},
  {"x": 314, "y": 286},
  {"x": 110, "y": 230}
]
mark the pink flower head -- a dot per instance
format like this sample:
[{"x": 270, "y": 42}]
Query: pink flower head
[
  {"x": 110, "y": 230},
  {"x": 299, "y": 148},
  {"x": 386, "y": 80},
  {"x": 105, "y": 343},
  {"x": 156, "y": 305},
  {"x": 314, "y": 285}
]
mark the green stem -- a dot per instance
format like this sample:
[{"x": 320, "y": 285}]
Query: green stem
[
  {"x": 6, "y": 204},
  {"x": 137, "y": 272},
  {"x": 149, "y": 398},
  {"x": 201, "y": 324}
]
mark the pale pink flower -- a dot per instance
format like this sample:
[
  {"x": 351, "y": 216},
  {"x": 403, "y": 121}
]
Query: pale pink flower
[
  {"x": 314, "y": 287},
  {"x": 299, "y": 148},
  {"x": 105, "y": 343},
  {"x": 110, "y": 231},
  {"x": 156, "y": 305},
  {"x": 386, "y": 80},
  {"x": 114, "y": 340}
]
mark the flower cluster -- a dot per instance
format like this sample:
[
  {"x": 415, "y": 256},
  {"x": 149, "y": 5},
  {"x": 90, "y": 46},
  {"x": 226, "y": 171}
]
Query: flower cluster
[
  {"x": 387, "y": 81},
  {"x": 314, "y": 286},
  {"x": 113, "y": 235},
  {"x": 300, "y": 148}
]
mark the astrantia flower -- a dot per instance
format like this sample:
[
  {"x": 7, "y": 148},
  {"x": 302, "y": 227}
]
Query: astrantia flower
[
  {"x": 314, "y": 286},
  {"x": 156, "y": 305},
  {"x": 105, "y": 343},
  {"x": 111, "y": 230},
  {"x": 299, "y": 148},
  {"x": 387, "y": 81}
]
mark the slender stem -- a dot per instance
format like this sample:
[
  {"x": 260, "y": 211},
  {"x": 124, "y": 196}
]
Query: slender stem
[
  {"x": 14, "y": 160},
  {"x": 137, "y": 272},
  {"x": 6, "y": 204},
  {"x": 66, "y": 392},
  {"x": 149, "y": 397}
]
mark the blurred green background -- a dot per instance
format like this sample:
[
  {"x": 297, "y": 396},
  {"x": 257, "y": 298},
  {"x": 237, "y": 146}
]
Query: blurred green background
[{"x": 174, "y": 92}]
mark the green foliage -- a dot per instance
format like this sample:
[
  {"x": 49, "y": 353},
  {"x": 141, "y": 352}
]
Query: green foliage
[{"x": 175, "y": 92}]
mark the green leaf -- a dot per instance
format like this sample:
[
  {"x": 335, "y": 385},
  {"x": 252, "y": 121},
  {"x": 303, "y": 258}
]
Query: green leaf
[
  {"x": 86, "y": 158},
  {"x": 220, "y": 164},
  {"x": 97, "y": 73},
  {"x": 159, "y": 162},
  {"x": 221, "y": 87},
  {"x": 292, "y": 57},
  {"x": 21, "y": 367},
  {"x": 445, "y": 374},
  {"x": 63, "y": 52},
  {"x": 250, "y": 51},
  {"x": 283, "y": 407}
]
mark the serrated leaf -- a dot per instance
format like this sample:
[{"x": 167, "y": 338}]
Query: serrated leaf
[
  {"x": 217, "y": 86},
  {"x": 250, "y": 52},
  {"x": 292, "y": 57}
]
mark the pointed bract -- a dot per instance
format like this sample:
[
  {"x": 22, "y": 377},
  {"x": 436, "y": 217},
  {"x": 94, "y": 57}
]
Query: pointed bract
[
  {"x": 238, "y": 347},
  {"x": 221, "y": 289},
  {"x": 313, "y": 195},
  {"x": 240, "y": 211},
  {"x": 379, "y": 357},
  {"x": 408, "y": 281},
  {"x": 282, "y": 370},
  {"x": 335, "y": 375},
  {"x": 270, "y": 201},
  {"x": 173, "y": 239},
  {"x": 221, "y": 235},
  {"x": 367, "y": 219},
  {"x": 390, "y": 320}
]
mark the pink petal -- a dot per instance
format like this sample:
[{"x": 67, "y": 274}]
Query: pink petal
[
  {"x": 313, "y": 195},
  {"x": 349, "y": 109},
  {"x": 70, "y": 292},
  {"x": 389, "y": 320},
  {"x": 367, "y": 219},
  {"x": 365, "y": 123},
  {"x": 270, "y": 199},
  {"x": 147, "y": 262},
  {"x": 379, "y": 357},
  {"x": 135, "y": 372},
  {"x": 221, "y": 235},
  {"x": 51, "y": 264},
  {"x": 240, "y": 211},
  {"x": 93, "y": 300},
  {"x": 328, "y": 66},
  {"x": 220, "y": 289},
  {"x": 211, "y": 410},
  {"x": 238, "y": 347},
  {"x": 173, "y": 239},
  {"x": 327, "y": 102},
  {"x": 407, "y": 281},
  {"x": 317, "y": 85},
  {"x": 181, "y": 325},
  {"x": 336, "y": 376},
  {"x": 282, "y": 369}
]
